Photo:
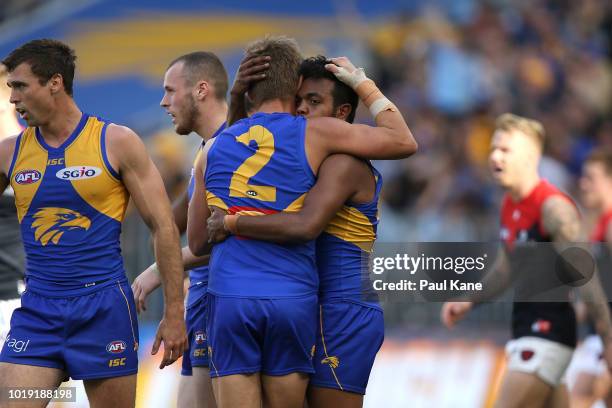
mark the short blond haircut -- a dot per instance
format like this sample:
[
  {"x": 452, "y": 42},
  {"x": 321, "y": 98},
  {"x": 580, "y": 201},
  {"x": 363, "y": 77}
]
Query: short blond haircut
[
  {"x": 530, "y": 127},
  {"x": 282, "y": 78}
]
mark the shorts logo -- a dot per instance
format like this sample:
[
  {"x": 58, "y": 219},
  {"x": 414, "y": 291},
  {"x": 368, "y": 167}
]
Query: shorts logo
[
  {"x": 116, "y": 362},
  {"x": 199, "y": 352},
  {"x": 332, "y": 361},
  {"x": 200, "y": 337},
  {"x": 50, "y": 223},
  {"x": 27, "y": 177},
  {"x": 526, "y": 355},
  {"x": 16, "y": 345},
  {"x": 78, "y": 173},
  {"x": 541, "y": 326},
  {"x": 116, "y": 347}
]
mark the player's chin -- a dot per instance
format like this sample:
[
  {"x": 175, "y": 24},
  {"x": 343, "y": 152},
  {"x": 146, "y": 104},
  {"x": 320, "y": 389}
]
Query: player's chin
[
  {"x": 500, "y": 180},
  {"x": 181, "y": 130}
]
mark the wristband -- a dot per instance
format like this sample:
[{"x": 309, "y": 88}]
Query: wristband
[
  {"x": 373, "y": 98},
  {"x": 230, "y": 223},
  {"x": 381, "y": 105}
]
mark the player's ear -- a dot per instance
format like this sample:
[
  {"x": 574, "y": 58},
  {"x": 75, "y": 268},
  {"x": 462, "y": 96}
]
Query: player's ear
[
  {"x": 343, "y": 111},
  {"x": 201, "y": 90},
  {"x": 56, "y": 83}
]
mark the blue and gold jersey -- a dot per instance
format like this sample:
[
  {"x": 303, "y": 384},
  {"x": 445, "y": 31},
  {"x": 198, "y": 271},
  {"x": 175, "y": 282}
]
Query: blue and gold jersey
[
  {"x": 70, "y": 205},
  {"x": 258, "y": 166},
  {"x": 343, "y": 251},
  {"x": 198, "y": 277}
]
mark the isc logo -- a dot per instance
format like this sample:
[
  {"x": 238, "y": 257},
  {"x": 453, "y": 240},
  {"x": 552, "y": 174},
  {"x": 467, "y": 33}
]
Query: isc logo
[
  {"x": 78, "y": 173},
  {"x": 55, "y": 162},
  {"x": 116, "y": 347},
  {"x": 116, "y": 362},
  {"x": 27, "y": 176},
  {"x": 201, "y": 352}
]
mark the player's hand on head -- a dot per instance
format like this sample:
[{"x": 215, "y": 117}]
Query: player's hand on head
[
  {"x": 346, "y": 72},
  {"x": 252, "y": 69},
  {"x": 452, "y": 312},
  {"x": 172, "y": 332},
  {"x": 143, "y": 285},
  {"x": 216, "y": 226}
]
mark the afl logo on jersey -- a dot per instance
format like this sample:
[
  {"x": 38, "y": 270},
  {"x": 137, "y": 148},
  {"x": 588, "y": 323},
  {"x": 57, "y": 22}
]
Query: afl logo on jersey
[
  {"x": 116, "y": 347},
  {"x": 252, "y": 193},
  {"x": 27, "y": 177},
  {"x": 78, "y": 173}
]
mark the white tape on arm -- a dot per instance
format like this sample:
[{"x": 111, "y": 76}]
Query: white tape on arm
[{"x": 380, "y": 105}]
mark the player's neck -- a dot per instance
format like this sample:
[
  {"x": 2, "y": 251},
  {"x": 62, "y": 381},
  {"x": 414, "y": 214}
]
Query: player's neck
[
  {"x": 63, "y": 122},
  {"x": 215, "y": 117},
  {"x": 277, "y": 105},
  {"x": 9, "y": 126},
  {"x": 524, "y": 188}
]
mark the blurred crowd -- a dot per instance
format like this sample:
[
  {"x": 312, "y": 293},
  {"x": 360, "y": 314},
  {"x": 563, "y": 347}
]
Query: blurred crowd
[
  {"x": 453, "y": 69},
  {"x": 11, "y": 9}
]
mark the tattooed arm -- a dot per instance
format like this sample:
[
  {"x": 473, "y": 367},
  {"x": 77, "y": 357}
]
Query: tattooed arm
[{"x": 561, "y": 221}]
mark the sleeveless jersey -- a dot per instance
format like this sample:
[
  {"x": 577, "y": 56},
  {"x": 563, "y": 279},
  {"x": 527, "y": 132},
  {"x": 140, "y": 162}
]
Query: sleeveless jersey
[
  {"x": 70, "y": 205},
  {"x": 259, "y": 166},
  {"x": 343, "y": 252},
  {"x": 198, "y": 277},
  {"x": 522, "y": 222}
]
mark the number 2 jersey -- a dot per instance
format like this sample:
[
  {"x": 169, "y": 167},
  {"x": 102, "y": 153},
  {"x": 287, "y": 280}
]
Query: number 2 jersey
[
  {"x": 258, "y": 166},
  {"x": 521, "y": 222},
  {"x": 70, "y": 205}
]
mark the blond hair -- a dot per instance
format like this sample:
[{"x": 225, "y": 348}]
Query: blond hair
[
  {"x": 282, "y": 78},
  {"x": 530, "y": 127}
]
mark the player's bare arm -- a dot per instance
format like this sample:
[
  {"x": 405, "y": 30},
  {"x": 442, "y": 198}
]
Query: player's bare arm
[
  {"x": 494, "y": 283},
  {"x": 338, "y": 181},
  {"x": 144, "y": 183},
  {"x": 7, "y": 147},
  {"x": 252, "y": 68},
  {"x": 197, "y": 234},
  {"x": 561, "y": 220}
]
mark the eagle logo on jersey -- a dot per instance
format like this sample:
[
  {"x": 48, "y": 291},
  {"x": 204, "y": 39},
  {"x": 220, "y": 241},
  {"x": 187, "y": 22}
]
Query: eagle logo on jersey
[
  {"x": 52, "y": 222},
  {"x": 332, "y": 361}
]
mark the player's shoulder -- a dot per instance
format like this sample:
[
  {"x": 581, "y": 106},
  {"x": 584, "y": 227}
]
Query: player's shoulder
[
  {"x": 202, "y": 159},
  {"x": 121, "y": 140},
  {"x": 558, "y": 208},
  {"x": 120, "y": 133}
]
